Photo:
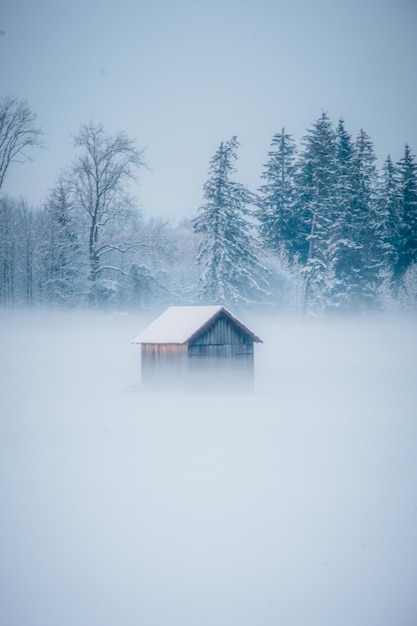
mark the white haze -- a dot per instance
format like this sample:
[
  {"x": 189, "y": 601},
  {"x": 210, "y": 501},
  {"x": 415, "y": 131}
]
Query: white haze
[{"x": 296, "y": 505}]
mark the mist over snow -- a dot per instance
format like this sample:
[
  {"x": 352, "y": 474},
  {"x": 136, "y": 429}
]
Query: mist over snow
[{"x": 295, "y": 505}]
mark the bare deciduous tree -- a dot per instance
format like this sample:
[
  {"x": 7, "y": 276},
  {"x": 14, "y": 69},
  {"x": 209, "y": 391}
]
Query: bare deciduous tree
[
  {"x": 98, "y": 181},
  {"x": 18, "y": 131}
]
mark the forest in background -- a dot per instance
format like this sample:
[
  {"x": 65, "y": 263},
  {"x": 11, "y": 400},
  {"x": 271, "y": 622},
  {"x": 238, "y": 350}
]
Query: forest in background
[{"x": 327, "y": 230}]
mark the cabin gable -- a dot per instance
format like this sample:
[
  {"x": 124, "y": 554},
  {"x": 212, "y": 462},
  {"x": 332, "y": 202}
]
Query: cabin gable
[{"x": 221, "y": 331}]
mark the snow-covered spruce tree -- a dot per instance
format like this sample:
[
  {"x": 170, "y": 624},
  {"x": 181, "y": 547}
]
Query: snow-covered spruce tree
[
  {"x": 63, "y": 260},
  {"x": 357, "y": 252},
  {"x": 368, "y": 222},
  {"x": 231, "y": 272},
  {"x": 388, "y": 210},
  {"x": 277, "y": 226},
  {"x": 407, "y": 199},
  {"x": 341, "y": 242},
  {"x": 388, "y": 199},
  {"x": 317, "y": 209}
]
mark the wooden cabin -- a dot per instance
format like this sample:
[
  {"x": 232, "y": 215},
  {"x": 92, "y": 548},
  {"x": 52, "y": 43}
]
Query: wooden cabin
[{"x": 197, "y": 347}]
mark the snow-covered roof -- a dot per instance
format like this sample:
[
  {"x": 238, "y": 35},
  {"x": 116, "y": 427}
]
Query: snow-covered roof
[{"x": 179, "y": 323}]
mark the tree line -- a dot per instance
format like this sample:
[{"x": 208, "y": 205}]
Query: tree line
[{"x": 326, "y": 230}]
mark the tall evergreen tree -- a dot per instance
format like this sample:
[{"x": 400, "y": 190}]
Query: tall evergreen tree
[
  {"x": 370, "y": 222},
  {"x": 341, "y": 237},
  {"x": 64, "y": 258},
  {"x": 231, "y": 272},
  {"x": 407, "y": 198},
  {"x": 388, "y": 201},
  {"x": 345, "y": 152},
  {"x": 358, "y": 246},
  {"x": 277, "y": 196},
  {"x": 317, "y": 190}
]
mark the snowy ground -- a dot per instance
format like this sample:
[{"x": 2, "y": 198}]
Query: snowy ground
[{"x": 295, "y": 506}]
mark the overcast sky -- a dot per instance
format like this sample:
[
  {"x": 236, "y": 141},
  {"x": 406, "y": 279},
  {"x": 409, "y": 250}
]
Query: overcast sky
[{"x": 182, "y": 75}]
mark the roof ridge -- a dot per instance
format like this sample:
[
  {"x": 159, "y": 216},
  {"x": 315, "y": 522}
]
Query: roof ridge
[{"x": 180, "y": 324}]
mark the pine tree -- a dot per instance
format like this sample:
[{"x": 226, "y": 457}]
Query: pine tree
[
  {"x": 407, "y": 198},
  {"x": 64, "y": 259},
  {"x": 370, "y": 222},
  {"x": 317, "y": 208},
  {"x": 231, "y": 272},
  {"x": 358, "y": 251},
  {"x": 277, "y": 196},
  {"x": 388, "y": 201},
  {"x": 345, "y": 152},
  {"x": 341, "y": 234}
]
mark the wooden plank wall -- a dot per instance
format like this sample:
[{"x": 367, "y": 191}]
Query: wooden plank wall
[
  {"x": 164, "y": 364},
  {"x": 222, "y": 332},
  {"x": 221, "y": 358}
]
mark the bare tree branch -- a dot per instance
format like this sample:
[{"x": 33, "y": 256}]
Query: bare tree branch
[
  {"x": 133, "y": 247},
  {"x": 98, "y": 183},
  {"x": 18, "y": 131}
]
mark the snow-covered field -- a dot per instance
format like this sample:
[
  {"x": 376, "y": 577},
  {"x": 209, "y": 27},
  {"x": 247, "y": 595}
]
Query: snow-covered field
[{"x": 294, "y": 506}]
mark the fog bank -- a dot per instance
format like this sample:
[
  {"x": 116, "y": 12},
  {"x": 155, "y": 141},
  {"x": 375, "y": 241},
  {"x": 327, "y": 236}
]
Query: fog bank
[{"x": 294, "y": 505}]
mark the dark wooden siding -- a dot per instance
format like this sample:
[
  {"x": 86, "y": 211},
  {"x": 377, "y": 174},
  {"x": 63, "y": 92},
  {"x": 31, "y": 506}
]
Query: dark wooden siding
[
  {"x": 231, "y": 351},
  {"x": 222, "y": 332},
  {"x": 221, "y": 358}
]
